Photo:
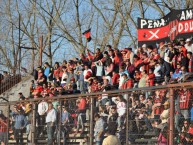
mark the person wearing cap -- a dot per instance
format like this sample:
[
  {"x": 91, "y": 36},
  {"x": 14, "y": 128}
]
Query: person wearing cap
[
  {"x": 164, "y": 116},
  {"x": 122, "y": 70},
  {"x": 189, "y": 45},
  {"x": 144, "y": 47},
  {"x": 182, "y": 41}
]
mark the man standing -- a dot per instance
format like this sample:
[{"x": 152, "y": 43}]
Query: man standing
[
  {"x": 81, "y": 104},
  {"x": 98, "y": 129},
  {"x": 48, "y": 71},
  {"x": 50, "y": 120},
  {"x": 64, "y": 124},
  {"x": 20, "y": 124},
  {"x": 42, "y": 109}
]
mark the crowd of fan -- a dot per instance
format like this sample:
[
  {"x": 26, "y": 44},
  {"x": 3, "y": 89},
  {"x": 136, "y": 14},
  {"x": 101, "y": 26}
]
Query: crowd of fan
[{"x": 111, "y": 70}]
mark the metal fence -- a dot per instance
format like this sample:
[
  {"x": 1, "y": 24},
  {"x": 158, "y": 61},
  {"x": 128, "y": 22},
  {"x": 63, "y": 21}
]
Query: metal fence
[
  {"x": 9, "y": 82},
  {"x": 139, "y": 124}
]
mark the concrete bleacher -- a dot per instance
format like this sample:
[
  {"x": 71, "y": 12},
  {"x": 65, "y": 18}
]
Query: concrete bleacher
[{"x": 80, "y": 139}]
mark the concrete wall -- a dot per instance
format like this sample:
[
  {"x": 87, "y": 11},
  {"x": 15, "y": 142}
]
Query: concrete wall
[{"x": 12, "y": 94}]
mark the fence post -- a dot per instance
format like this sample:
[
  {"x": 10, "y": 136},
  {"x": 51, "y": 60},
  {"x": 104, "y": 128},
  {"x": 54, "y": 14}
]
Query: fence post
[
  {"x": 91, "y": 119},
  {"x": 8, "y": 124},
  {"x": 127, "y": 121},
  {"x": 171, "y": 123},
  {"x": 34, "y": 123},
  {"x": 60, "y": 123}
]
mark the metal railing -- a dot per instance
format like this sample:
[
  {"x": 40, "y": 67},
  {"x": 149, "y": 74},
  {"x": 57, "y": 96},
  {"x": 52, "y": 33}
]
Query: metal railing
[
  {"x": 9, "y": 83},
  {"x": 170, "y": 88}
]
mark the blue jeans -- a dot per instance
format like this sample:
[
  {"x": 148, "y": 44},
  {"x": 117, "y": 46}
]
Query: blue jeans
[
  {"x": 98, "y": 143},
  {"x": 185, "y": 113},
  {"x": 63, "y": 133},
  {"x": 147, "y": 122},
  {"x": 177, "y": 122},
  {"x": 50, "y": 133},
  {"x": 80, "y": 121},
  {"x": 120, "y": 121}
]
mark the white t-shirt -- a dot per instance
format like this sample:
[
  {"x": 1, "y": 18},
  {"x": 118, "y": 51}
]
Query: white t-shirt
[
  {"x": 42, "y": 108},
  {"x": 121, "y": 108},
  {"x": 51, "y": 116},
  {"x": 189, "y": 48},
  {"x": 64, "y": 76}
]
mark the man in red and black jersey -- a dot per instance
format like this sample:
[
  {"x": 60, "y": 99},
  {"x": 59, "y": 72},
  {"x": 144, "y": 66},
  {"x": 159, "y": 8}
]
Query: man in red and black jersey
[{"x": 185, "y": 97}]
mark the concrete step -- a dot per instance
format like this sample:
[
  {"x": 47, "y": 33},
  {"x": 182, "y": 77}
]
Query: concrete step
[{"x": 151, "y": 141}]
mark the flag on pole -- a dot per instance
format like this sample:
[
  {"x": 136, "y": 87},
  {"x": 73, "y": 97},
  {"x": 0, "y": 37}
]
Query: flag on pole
[{"x": 87, "y": 35}]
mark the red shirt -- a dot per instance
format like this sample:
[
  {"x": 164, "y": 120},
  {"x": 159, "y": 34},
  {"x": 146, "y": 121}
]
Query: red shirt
[
  {"x": 151, "y": 79},
  {"x": 117, "y": 60},
  {"x": 128, "y": 84},
  {"x": 137, "y": 63},
  {"x": 39, "y": 89},
  {"x": 3, "y": 126},
  {"x": 94, "y": 87},
  {"x": 185, "y": 99},
  {"x": 115, "y": 79},
  {"x": 82, "y": 104}
]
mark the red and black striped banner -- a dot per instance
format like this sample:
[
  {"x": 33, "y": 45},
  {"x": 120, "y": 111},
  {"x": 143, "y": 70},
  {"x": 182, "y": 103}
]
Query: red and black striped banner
[{"x": 176, "y": 24}]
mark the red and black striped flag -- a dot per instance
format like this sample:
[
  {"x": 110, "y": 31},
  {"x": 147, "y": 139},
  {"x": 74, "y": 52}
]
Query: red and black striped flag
[{"x": 87, "y": 35}]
